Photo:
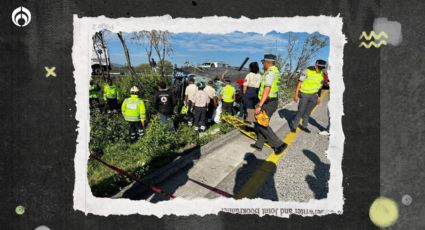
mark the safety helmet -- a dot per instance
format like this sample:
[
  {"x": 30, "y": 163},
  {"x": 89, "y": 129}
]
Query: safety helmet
[{"x": 134, "y": 89}]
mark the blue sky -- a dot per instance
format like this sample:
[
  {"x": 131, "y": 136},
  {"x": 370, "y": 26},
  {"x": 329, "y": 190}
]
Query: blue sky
[{"x": 231, "y": 48}]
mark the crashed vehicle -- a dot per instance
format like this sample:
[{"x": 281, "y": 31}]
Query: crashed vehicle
[{"x": 208, "y": 65}]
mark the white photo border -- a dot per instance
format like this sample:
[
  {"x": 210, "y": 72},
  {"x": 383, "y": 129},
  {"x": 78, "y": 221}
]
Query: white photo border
[{"x": 85, "y": 27}]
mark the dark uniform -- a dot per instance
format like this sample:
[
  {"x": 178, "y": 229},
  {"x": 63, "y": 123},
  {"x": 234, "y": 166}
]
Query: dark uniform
[{"x": 163, "y": 103}]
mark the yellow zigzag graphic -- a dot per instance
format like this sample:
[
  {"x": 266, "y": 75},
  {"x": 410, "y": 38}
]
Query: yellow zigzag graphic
[
  {"x": 372, "y": 34},
  {"x": 372, "y": 43}
]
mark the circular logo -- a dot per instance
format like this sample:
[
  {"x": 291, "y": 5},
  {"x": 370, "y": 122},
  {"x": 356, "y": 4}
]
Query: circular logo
[
  {"x": 21, "y": 16},
  {"x": 164, "y": 99}
]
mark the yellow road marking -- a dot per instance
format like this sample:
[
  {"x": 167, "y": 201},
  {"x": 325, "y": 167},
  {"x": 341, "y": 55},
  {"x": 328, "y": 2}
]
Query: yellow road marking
[{"x": 249, "y": 190}]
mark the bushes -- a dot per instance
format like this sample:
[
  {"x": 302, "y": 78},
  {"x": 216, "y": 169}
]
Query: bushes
[
  {"x": 106, "y": 129},
  {"x": 147, "y": 83},
  {"x": 109, "y": 140},
  {"x": 158, "y": 147}
]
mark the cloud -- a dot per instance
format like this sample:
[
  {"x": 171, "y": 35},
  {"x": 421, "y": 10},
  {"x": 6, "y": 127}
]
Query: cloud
[{"x": 232, "y": 42}]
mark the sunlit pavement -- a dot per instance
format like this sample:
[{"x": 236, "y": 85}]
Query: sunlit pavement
[{"x": 235, "y": 169}]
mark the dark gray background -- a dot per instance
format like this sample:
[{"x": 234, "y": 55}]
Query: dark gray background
[{"x": 383, "y": 105}]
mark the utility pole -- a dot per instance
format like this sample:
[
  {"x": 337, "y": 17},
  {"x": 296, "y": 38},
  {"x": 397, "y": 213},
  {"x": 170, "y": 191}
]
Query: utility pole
[{"x": 276, "y": 46}]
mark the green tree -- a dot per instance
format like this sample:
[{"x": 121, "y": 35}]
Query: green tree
[{"x": 296, "y": 60}]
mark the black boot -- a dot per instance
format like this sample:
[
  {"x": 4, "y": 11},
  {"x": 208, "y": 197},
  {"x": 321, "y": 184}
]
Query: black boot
[
  {"x": 256, "y": 147},
  {"x": 280, "y": 149},
  {"x": 305, "y": 129}
]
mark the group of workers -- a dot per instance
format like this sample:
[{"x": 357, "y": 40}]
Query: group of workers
[
  {"x": 110, "y": 95},
  {"x": 202, "y": 100},
  {"x": 133, "y": 108},
  {"x": 260, "y": 95},
  {"x": 306, "y": 94}
]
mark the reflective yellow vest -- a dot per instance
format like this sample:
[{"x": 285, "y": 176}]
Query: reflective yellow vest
[
  {"x": 275, "y": 85},
  {"x": 93, "y": 91},
  {"x": 133, "y": 109},
  {"x": 227, "y": 93},
  {"x": 313, "y": 81},
  {"x": 110, "y": 91}
]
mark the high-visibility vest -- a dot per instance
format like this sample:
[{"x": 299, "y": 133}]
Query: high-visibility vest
[
  {"x": 313, "y": 81},
  {"x": 110, "y": 91},
  {"x": 275, "y": 85},
  {"x": 133, "y": 109},
  {"x": 93, "y": 91},
  {"x": 227, "y": 93}
]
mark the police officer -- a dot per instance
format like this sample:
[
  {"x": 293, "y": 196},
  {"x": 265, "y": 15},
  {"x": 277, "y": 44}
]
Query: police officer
[
  {"x": 227, "y": 96},
  {"x": 134, "y": 112},
  {"x": 307, "y": 93},
  {"x": 268, "y": 102},
  {"x": 94, "y": 90},
  {"x": 110, "y": 95}
]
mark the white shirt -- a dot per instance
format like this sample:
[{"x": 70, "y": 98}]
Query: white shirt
[
  {"x": 210, "y": 91},
  {"x": 191, "y": 89},
  {"x": 201, "y": 99},
  {"x": 252, "y": 80},
  {"x": 269, "y": 78}
]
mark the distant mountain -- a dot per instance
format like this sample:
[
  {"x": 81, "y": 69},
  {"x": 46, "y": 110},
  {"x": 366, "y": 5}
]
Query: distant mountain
[{"x": 116, "y": 65}]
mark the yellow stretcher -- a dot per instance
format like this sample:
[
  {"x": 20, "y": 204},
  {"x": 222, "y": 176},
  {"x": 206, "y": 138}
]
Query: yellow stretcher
[{"x": 240, "y": 124}]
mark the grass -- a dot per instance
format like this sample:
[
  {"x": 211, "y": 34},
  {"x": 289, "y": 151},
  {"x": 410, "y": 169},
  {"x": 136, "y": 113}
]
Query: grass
[{"x": 157, "y": 148}]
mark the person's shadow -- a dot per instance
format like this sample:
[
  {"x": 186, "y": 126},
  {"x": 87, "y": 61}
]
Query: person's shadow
[
  {"x": 174, "y": 178},
  {"x": 289, "y": 115},
  {"x": 319, "y": 182},
  {"x": 254, "y": 176}
]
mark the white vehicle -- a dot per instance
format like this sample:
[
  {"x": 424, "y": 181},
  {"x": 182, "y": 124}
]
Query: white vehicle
[
  {"x": 104, "y": 63},
  {"x": 208, "y": 65}
]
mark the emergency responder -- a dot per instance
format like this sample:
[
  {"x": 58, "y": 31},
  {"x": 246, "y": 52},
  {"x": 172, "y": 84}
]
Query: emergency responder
[
  {"x": 200, "y": 100},
  {"x": 190, "y": 90},
  {"x": 94, "y": 91},
  {"x": 268, "y": 102},
  {"x": 209, "y": 89},
  {"x": 164, "y": 102},
  {"x": 110, "y": 95},
  {"x": 250, "y": 90},
  {"x": 307, "y": 93},
  {"x": 134, "y": 112},
  {"x": 228, "y": 96}
]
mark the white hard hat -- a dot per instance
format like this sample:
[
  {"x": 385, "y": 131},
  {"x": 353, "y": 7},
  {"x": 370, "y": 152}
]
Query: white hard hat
[{"x": 134, "y": 89}]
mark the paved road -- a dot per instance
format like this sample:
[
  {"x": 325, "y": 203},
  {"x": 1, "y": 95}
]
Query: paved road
[{"x": 236, "y": 170}]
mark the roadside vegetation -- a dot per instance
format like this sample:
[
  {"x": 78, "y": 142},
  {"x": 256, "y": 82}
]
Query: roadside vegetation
[{"x": 159, "y": 146}]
